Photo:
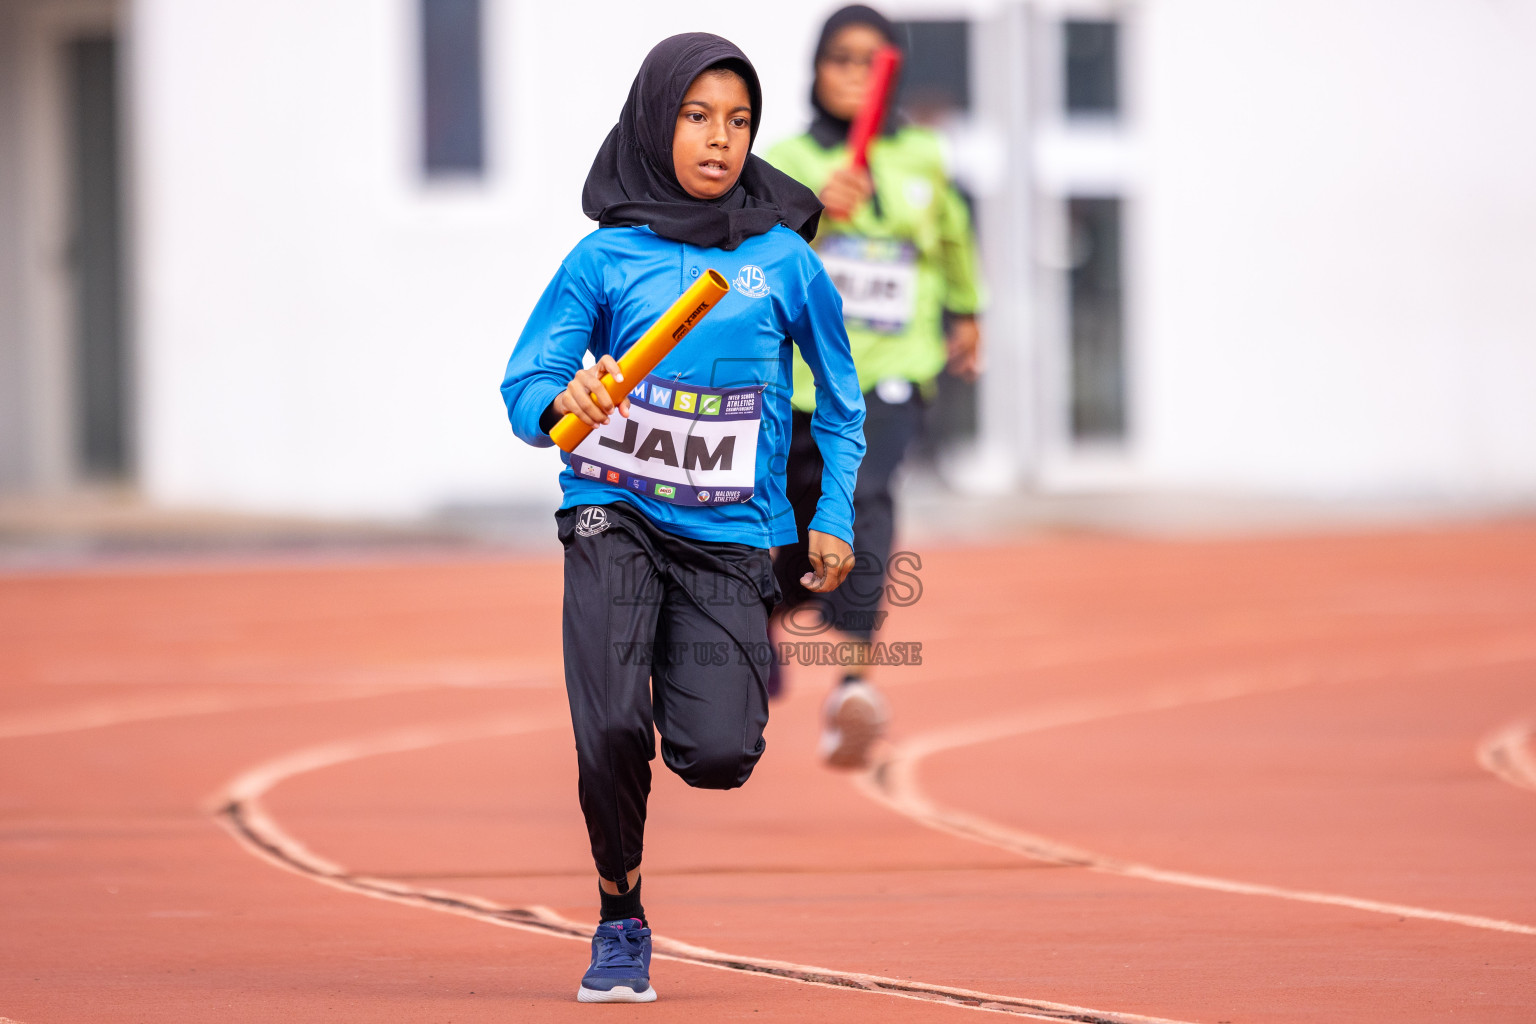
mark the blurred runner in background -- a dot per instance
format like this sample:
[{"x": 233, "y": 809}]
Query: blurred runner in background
[{"x": 897, "y": 241}]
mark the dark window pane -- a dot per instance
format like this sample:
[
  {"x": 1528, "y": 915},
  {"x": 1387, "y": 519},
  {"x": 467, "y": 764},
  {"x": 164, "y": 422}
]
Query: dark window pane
[
  {"x": 101, "y": 372},
  {"x": 1092, "y": 60},
  {"x": 1096, "y": 308},
  {"x": 453, "y": 125},
  {"x": 936, "y": 84},
  {"x": 936, "y": 73}
]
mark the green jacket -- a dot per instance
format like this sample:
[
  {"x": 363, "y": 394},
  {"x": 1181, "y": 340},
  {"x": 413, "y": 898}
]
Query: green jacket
[{"x": 898, "y": 271}]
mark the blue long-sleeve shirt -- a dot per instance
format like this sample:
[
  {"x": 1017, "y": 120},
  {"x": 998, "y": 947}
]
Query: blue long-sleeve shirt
[{"x": 607, "y": 293}]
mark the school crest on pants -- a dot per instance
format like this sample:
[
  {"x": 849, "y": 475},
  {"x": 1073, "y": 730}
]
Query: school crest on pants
[{"x": 592, "y": 521}]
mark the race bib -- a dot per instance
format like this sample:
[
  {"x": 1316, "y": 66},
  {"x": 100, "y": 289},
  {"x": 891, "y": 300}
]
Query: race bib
[
  {"x": 877, "y": 278},
  {"x": 681, "y": 443}
]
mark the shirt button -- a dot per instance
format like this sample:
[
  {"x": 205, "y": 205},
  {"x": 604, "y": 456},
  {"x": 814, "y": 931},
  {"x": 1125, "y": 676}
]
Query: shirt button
[{"x": 694, "y": 272}]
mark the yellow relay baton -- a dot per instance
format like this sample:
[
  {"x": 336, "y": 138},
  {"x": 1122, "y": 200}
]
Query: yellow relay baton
[{"x": 669, "y": 329}]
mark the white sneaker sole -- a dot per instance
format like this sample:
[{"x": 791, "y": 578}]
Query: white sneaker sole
[
  {"x": 855, "y": 726},
  {"x": 617, "y": 994}
]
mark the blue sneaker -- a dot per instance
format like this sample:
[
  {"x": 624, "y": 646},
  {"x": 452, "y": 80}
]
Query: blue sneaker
[{"x": 621, "y": 964}]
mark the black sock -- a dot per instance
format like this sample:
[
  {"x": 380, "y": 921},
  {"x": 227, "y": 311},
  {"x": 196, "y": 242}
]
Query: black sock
[{"x": 618, "y": 907}]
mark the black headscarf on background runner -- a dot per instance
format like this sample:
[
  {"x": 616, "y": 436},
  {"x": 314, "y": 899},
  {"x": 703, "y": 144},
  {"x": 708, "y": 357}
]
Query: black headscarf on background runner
[
  {"x": 632, "y": 181},
  {"x": 827, "y": 129}
]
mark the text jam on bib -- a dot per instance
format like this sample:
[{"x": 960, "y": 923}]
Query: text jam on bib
[{"x": 681, "y": 443}]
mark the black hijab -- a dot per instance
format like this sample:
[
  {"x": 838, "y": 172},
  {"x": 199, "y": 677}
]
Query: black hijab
[
  {"x": 632, "y": 181},
  {"x": 827, "y": 129}
]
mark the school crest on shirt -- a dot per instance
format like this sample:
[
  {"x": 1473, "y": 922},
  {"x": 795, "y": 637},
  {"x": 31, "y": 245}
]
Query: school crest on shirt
[
  {"x": 592, "y": 521},
  {"x": 751, "y": 282}
]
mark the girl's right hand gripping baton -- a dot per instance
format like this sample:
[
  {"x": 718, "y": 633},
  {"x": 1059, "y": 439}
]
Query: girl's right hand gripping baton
[
  {"x": 877, "y": 99},
  {"x": 644, "y": 354}
]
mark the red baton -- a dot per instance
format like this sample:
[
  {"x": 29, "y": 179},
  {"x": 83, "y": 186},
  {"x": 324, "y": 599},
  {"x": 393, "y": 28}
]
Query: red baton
[{"x": 877, "y": 99}]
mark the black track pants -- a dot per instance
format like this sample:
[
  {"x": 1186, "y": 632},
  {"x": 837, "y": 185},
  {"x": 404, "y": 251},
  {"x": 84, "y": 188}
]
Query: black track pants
[
  {"x": 888, "y": 430},
  {"x": 660, "y": 632}
]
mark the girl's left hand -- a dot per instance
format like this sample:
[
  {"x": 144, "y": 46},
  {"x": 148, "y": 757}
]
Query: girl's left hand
[
  {"x": 964, "y": 348},
  {"x": 831, "y": 559}
]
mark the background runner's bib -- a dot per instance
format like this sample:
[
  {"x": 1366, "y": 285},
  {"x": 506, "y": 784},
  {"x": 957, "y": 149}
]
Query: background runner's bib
[
  {"x": 877, "y": 278},
  {"x": 681, "y": 443}
]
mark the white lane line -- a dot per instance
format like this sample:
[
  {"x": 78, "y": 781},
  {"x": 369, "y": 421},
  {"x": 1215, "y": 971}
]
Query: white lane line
[
  {"x": 127, "y": 710},
  {"x": 1508, "y": 754},
  {"x": 101, "y": 714},
  {"x": 239, "y": 810},
  {"x": 893, "y": 782},
  {"x": 247, "y": 789}
]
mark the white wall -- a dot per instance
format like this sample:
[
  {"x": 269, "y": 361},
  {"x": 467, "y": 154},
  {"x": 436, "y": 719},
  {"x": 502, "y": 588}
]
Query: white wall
[
  {"x": 1332, "y": 231},
  {"x": 321, "y": 332},
  {"x": 1336, "y": 244}
]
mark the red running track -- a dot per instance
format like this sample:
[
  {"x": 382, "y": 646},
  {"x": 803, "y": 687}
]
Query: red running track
[{"x": 1278, "y": 780}]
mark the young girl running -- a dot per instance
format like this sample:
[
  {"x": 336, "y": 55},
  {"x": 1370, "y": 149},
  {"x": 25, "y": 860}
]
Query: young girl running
[{"x": 671, "y": 503}]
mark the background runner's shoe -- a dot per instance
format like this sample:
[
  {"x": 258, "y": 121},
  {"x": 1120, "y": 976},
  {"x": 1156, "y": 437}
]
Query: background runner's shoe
[
  {"x": 853, "y": 718},
  {"x": 621, "y": 964}
]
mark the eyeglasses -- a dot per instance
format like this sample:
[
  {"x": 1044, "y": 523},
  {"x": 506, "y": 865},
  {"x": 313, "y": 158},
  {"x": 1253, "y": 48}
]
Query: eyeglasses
[{"x": 843, "y": 59}]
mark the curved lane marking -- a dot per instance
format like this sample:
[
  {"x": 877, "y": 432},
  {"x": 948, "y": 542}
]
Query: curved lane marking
[
  {"x": 51, "y": 721},
  {"x": 893, "y": 782},
  {"x": 1508, "y": 754},
  {"x": 101, "y": 714},
  {"x": 239, "y": 809}
]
